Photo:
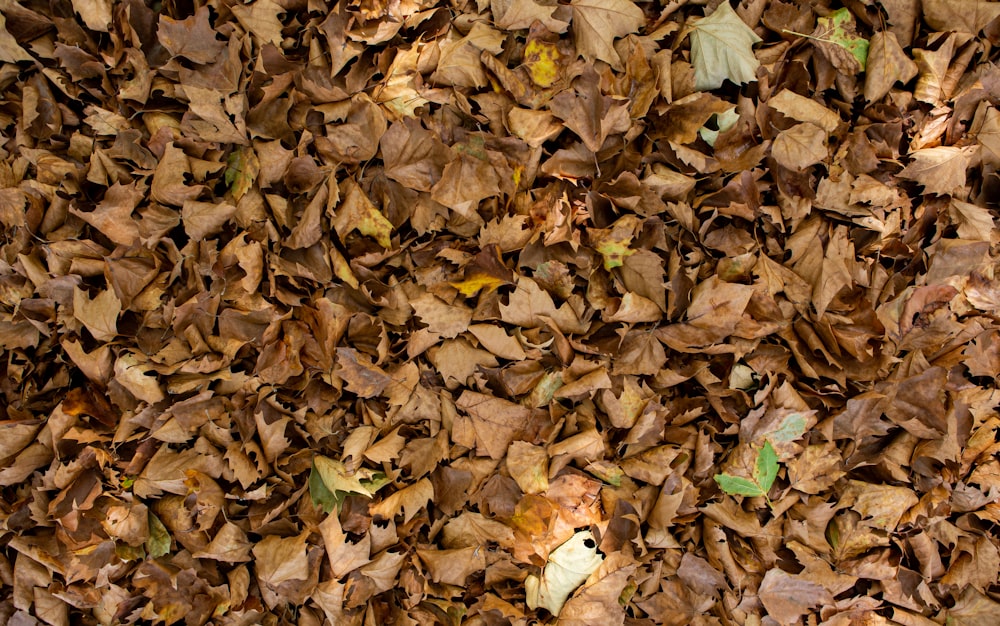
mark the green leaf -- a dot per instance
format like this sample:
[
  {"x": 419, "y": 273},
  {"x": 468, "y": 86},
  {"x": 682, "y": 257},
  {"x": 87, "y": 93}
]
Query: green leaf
[
  {"x": 242, "y": 171},
  {"x": 330, "y": 482},
  {"x": 738, "y": 486},
  {"x": 321, "y": 495},
  {"x": 158, "y": 543},
  {"x": 721, "y": 48},
  {"x": 841, "y": 32},
  {"x": 767, "y": 467},
  {"x": 792, "y": 427}
]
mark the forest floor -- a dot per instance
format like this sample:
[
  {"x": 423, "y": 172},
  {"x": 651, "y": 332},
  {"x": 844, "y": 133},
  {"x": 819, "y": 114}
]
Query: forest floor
[{"x": 499, "y": 312}]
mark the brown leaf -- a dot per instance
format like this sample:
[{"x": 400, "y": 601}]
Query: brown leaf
[
  {"x": 497, "y": 422},
  {"x": 596, "y": 24},
  {"x": 787, "y": 597},
  {"x": 280, "y": 559},
  {"x": 192, "y": 38},
  {"x": 100, "y": 314},
  {"x": 230, "y": 545},
  {"x": 887, "y": 65},
  {"x": 800, "y": 146},
  {"x": 362, "y": 377}
]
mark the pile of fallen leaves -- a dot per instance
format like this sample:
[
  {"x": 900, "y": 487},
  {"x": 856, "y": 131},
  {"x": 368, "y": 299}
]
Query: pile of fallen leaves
[{"x": 494, "y": 312}]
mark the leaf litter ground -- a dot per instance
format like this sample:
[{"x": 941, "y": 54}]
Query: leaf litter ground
[{"x": 499, "y": 312}]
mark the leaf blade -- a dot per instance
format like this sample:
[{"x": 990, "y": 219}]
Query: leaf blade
[{"x": 738, "y": 486}]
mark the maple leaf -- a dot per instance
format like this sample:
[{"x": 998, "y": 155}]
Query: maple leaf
[
  {"x": 800, "y": 146},
  {"x": 521, "y": 14},
  {"x": 192, "y": 38},
  {"x": 568, "y": 567},
  {"x": 597, "y": 23},
  {"x": 836, "y": 37},
  {"x": 941, "y": 170},
  {"x": 887, "y": 65},
  {"x": 721, "y": 48}
]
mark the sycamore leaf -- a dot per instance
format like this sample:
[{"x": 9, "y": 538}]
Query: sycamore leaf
[
  {"x": 764, "y": 473},
  {"x": 542, "y": 60},
  {"x": 330, "y": 482},
  {"x": 596, "y": 24},
  {"x": 836, "y": 37},
  {"x": 887, "y": 64},
  {"x": 940, "y": 170},
  {"x": 721, "y": 48},
  {"x": 969, "y": 16},
  {"x": 738, "y": 486},
  {"x": 242, "y": 171},
  {"x": 99, "y": 315},
  {"x": 158, "y": 543},
  {"x": 471, "y": 285},
  {"x": 766, "y": 469},
  {"x": 569, "y": 566},
  {"x": 356, "y": 212},
  {"x": 800, "y": 146}
]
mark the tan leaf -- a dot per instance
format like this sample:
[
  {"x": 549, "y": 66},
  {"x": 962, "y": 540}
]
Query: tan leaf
[
  {"x": 230, "y": 545},
  {"x": 453, "y": 567},
  {"x": 970, "y": 16},
  {"x": 10, "y": 50},
  {"x": 168, "y": 184},
  {"x": 192, "y": 38},
  {"x": 261, "y": 19},
  {"x": 278, "y": 559},
  {"x": 496, "y": 421},
  {"x": 96, "y": 14},
  {"x": 803, "y": 109},
  {"x": 521, "y": 14},
  {"x": 113, "y": 215},
  {"x": 408, "y": 500},
  {"x": 941, "y": 170},
  {"x": 887, "y": 65},
  {"x": 356, "y": 212},
  {"x": 597, "y": 23},
  {"x": 787, "y": 597},
  {"x": 800, "y": 146},
  {"x": 528, "y": 466},
  {"x": 100, "y": 314},
  {"x": 363, "y": 378},
  {"x": 202, "y": 219}
]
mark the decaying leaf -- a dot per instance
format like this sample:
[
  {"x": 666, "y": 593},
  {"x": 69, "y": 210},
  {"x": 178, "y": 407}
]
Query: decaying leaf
[
  {"x": 721, "y": 48},
  {"x": 592, "y": 312},
  {"x": 568, "y": 567}
]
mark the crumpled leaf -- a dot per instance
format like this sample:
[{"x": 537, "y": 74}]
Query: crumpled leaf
[
  {"x": 941, "y": 170},
  {"x": 597, "y": 23},
  {"x": 836, "y": 37},
  {"x": 330, "y": 482},
  {"x": 721, "y": 48},
  {"x": 787, "y": 597},
  {"x": 887, "y": 65},
  {"x": 568, "y": 567}
]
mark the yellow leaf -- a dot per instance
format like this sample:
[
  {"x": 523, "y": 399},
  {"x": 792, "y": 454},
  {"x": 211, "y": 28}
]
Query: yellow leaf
[
  {"x": 473, "y": 284},
  {"x": 541, "y": 58},
  {"x": 357, "y": 212}
]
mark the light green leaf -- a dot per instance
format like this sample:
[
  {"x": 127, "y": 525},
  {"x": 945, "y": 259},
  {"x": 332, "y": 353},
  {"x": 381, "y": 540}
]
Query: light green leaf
[
  {"x": 738, "y": 486},
  {"x": 330, "y": 482},
  {"x": 840, "y": 30},
  {"x": 792, "y": 427},
  {"x": 721, "y": 48},
  {"x": 158, "y": 543},
  {"x": 767, "y": 467},
  {"x": 243, "y": 168}
]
